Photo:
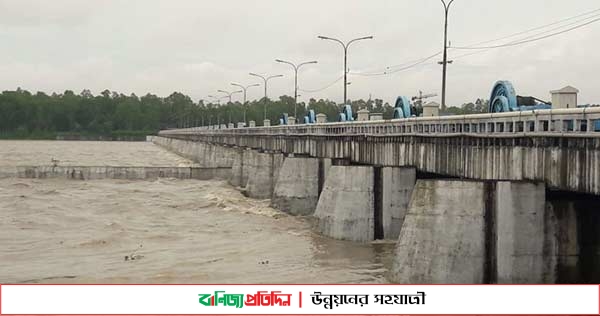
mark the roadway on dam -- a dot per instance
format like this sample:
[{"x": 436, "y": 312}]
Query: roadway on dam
[{"x": 177, "y": 231}]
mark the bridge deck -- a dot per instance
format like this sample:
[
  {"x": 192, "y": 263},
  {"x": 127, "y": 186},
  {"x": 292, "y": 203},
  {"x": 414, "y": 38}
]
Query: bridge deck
[{"x": 553, "y": 146}]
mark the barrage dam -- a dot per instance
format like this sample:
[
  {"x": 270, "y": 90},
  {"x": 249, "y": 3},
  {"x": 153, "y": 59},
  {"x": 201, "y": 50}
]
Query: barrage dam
[{"x": 489, "y": 198}]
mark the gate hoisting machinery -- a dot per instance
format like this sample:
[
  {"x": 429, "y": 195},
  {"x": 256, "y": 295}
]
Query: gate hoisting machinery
[{"x": 504, "y": 99}]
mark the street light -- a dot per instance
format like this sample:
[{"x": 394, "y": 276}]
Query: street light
[
  {"x": 216, "y": 98},
  {"x": 296, "y": 68},
  {"x": 266, "y": 80},
  {"x": 345, "y": 46},
  {"x": 245, "y": 88},
  {"x": 229, "y": 94},
  {"x": 445, "y": 62}
]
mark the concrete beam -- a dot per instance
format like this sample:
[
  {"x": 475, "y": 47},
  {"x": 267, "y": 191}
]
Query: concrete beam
[{"x": 563, "y": 163}]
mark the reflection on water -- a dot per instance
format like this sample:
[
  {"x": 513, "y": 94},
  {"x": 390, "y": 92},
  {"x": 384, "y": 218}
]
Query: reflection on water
[{"x": 166, "y": 231}]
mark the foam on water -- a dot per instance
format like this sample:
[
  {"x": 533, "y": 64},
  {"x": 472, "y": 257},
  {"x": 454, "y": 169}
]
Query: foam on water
[
  {"x": 158, "y": 231},
  {"x": 191, "y": 231}
]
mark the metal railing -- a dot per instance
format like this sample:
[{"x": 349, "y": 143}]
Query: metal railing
[{"x": 581, "y": 122}]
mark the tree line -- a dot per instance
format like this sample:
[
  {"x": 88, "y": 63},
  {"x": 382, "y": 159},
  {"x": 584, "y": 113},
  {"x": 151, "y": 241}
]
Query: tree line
[{"x": 41, "y": 116}]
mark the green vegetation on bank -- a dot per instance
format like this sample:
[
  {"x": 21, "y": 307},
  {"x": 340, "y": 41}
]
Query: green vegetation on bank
[{"x": 24, "y": 115}]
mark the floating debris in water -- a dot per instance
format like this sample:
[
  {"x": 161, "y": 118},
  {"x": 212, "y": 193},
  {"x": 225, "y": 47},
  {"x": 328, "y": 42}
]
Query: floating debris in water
[{"x": 133, "y": 256}]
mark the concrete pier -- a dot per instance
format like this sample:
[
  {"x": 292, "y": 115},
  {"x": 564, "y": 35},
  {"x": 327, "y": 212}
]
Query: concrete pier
[
  {"x": 575, "y": 223},
  {"x": 239, "y": 171},
  {"x": 563, "y": 223},
  {"x": 521, "y": 233},
  {"x": 476, "y": 232},
  {"x": 398, "y": 185},
  {"x": 443, "y": 236},
  {"x": 345, "y": 208},
  {"x": 362, "y": 203},
  {"x": 297, "y": 187},
  {"x": 262, "y": 170}
]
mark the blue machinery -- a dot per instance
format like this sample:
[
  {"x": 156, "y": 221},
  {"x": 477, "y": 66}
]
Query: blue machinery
[
  {"x": 284, "y": 119},
  {"x": 504, "y": 99},
  {"x": 346, "y": 115},
  {"x": 402, "y": 108},
  {"x": 310, "y": 118}
]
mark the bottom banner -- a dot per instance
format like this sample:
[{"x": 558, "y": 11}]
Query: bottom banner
[{"x": 300, "y": 299}]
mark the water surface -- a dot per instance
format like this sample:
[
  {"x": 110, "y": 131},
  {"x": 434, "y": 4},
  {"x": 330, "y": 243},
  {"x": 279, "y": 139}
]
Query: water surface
[{"x": 163, "y": 231}]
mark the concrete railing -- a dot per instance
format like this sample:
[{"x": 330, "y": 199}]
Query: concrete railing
[{"x": 580, "y": 122}]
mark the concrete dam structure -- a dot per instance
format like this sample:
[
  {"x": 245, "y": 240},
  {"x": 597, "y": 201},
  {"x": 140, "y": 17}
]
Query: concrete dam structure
[{"x": 491, "y": 198}]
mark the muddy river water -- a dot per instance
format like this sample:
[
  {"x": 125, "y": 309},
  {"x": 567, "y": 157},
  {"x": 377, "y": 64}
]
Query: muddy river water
[{"x": 158, "y": 231}]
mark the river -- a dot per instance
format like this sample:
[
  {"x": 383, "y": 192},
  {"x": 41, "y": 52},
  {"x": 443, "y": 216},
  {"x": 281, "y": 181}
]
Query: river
[{"x": 160, "y": 231}]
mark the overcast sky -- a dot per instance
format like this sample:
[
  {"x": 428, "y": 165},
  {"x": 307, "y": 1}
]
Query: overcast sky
[{"x": 197, "y": 47}]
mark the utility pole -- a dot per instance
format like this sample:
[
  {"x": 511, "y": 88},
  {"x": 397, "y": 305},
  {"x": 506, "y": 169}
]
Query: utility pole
[
  {"x": 296, "y": 68},
  {"x": 266, "y": 80},
  {"x": 445, "y": 62},
  {"x": 345, "y": 46}
]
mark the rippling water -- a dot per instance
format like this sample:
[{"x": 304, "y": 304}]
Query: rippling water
[
  {"x": 176, "y": 231},
  {"x": 163, "y": 231},
  {"x": 87, "y": 153}
]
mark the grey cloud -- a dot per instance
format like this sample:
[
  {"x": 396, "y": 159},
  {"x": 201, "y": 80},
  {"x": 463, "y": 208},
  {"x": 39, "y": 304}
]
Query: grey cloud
[{"x": 197, "y": 47}]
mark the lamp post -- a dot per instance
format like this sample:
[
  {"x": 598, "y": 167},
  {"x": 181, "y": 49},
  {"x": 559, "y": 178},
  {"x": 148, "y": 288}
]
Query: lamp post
[
  {"x": 445, "y": 62},
  {"x": 266, "y": 80},
  {"x": 245, "y": 88},
  {"x": 229, "y": 94},
  {"x": 216, "y": 99},
  {"x": 296, "y": 68},
  {"x": 345, "y": 46}
]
